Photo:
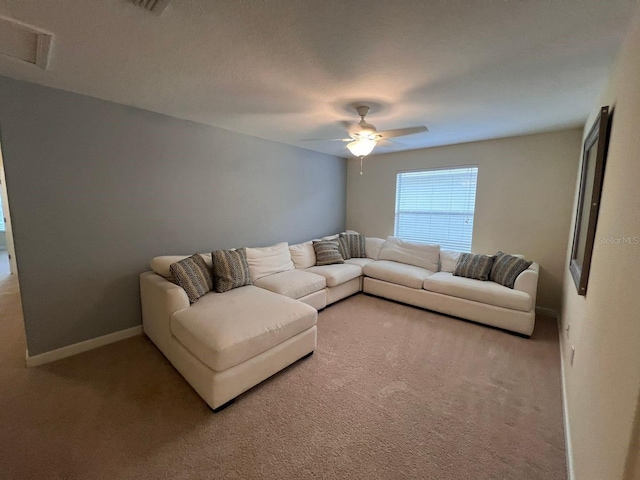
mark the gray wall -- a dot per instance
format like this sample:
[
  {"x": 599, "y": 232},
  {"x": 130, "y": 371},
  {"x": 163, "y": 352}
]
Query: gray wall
[{"x": 97, "y": 189}]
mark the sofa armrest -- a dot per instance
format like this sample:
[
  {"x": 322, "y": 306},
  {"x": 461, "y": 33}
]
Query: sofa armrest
[
  {"x": 527, "y": 282},
  {"x": 160, "y": 299}
]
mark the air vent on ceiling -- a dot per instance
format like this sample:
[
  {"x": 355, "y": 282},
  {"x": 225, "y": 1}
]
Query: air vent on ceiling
[
  {"x": 24, "y": 42},
  {"x": 155, "y": 6}
]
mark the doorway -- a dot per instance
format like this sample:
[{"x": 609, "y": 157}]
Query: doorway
[{"x": 8, "y": 264}]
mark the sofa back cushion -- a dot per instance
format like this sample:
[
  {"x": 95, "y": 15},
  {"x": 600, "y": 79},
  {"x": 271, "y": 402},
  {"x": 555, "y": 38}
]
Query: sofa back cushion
[
  {"x": 268, "y": 260},
  {"x": 471, "y": 265},
  {"x": 448, "y": 260},
  {"x": 194, "y": 275},
  {"x": 372, "y": 246},
  {"x": 303, "y": 255},
  {"x": 417, "y": 254},
  {"x": 230, "y": 269}
]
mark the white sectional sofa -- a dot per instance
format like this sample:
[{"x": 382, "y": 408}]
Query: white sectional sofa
[{"x": 225, "y": 343}]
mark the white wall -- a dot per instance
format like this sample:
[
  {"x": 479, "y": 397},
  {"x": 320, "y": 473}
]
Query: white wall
[
  {"x": 523, "y": 197},
  {"x": 604, "y": 381}
]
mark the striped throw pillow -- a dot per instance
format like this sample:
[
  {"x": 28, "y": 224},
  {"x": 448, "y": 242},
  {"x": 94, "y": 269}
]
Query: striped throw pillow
[
  {"x": 343, "y": 247},
  {"x": 354, "y": 244},
  {"x": 193, "y": 275},
  {"x": 506, "y": 269},
  {"x": 230, "y": 269},
  {"x": 472, "y": 265},
  {"x": 327, "y": 252}
]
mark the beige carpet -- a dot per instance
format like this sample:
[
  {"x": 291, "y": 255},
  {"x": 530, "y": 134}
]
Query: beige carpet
[{"x": 392, "y": 392}]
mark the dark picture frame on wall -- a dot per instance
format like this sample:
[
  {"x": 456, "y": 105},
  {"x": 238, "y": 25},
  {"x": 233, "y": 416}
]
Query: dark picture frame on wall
[{"x": 594, "y": 156}]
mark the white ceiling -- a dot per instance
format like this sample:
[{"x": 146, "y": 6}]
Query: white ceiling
[{"x": 288, "y": 70}]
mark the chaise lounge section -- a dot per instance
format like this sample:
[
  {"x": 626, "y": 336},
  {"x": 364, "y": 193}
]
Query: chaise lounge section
[{"x": 226, "y": 343}]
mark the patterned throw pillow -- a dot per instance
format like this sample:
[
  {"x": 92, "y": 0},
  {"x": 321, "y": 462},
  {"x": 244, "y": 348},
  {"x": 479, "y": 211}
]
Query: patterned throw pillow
[
  {"x": 343, "y": 247},
  {"x": 230, "y": 269},
  {"x": 506, "y": 269},
  {"x": 472, "y": 265},
  {"x": 193, "y": 275},
  {"x": 327, "y": 252},
  {"x": 355, "y": 244}
]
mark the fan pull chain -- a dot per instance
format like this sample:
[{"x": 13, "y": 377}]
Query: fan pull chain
[{"x": 361, "y": 165}]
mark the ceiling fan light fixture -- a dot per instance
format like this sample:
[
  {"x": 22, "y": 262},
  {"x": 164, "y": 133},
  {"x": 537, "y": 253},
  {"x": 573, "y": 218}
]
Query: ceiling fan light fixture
[
  {"x": 366, "y": 132},
  {"x": 362, "y": 147},
  {"x": 366, "y": 128},
  {"x": 364, "y": 137}
]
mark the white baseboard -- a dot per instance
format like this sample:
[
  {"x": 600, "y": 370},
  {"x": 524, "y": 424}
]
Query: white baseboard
[
  {"x": 565, "y": 409},
  {"x": 80, "y": 347}
]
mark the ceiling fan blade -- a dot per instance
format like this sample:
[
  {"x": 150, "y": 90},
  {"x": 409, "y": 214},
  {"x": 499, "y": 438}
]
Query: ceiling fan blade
[
  {"x": 345, "y": 124},
  {"x": 354, "y": 129},
  {"x": 327, "y": 140},
  {"x": 385, "y": 142},
  {"x": 401, "y": 132}
]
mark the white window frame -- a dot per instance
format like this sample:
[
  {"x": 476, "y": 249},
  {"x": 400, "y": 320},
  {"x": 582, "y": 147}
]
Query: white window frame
[{"x": 450, "y": 234}]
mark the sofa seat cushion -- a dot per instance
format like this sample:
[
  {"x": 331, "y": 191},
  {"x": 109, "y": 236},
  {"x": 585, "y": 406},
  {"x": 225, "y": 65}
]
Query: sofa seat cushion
[
  {"x": 361, "y": 262},
  {"x": 225, "y": 329},
  {"x": 487, "y": 292},
  {"x": 292, "y": 283},
  {"x": 337, "y": 274},
  {"x": 398, "y": 273}
]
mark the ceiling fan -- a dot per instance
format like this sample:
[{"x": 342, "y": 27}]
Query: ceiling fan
[{"x": 364, "y": 137}]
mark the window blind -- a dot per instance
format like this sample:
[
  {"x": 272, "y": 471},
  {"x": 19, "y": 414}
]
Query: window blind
[{"x": 437, "y": 206}]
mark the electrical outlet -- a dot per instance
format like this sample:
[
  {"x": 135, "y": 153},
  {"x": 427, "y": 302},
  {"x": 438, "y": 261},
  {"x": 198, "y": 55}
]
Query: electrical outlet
[{"x": 573, "y": 354}]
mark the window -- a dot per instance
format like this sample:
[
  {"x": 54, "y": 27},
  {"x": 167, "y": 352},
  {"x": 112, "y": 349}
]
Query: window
[
  {"x": 2, "y": 229},
  {"x": 437, "y": 206}
]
